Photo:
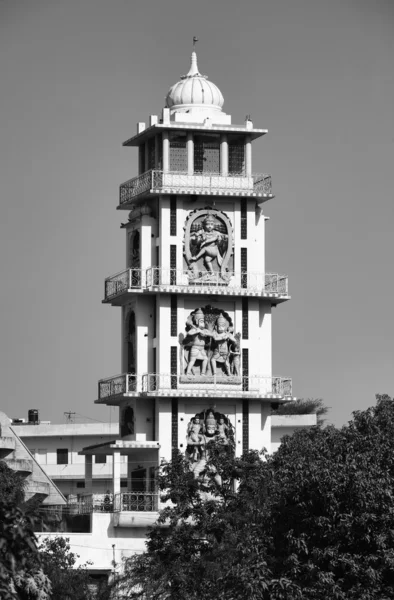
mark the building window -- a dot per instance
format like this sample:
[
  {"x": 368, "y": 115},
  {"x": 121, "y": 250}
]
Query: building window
[
  {"x": 100, "y": 459},
  {"x": 62, "y": 456},
  {"x": 178, "y": 152},
  {"x": 123, "y": 483},
  {"x": 174, "y": 319},
  {"x": 174, "y": 425},
  {"x": 174, "y": 362},
  {"x": 245, "y": 369},
  {"x": 245, "y": 425},
  {"x": 172, "y": 215},
  {"x": 244, "y": 267},
  {"x": 80, "y": 484},
  {"x": 236, "y": 158},
  {"x": 245, "y": 319},
  {"x": 244, "y": 219},
  {"x": 207, "y": 153},
  {"x": 173, "y": 264}
]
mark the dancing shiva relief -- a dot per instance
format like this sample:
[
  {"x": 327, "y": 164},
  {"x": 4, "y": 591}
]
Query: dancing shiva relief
[
  {"x": 210, "y": 352},
  {"x": 208, "y": 247}
]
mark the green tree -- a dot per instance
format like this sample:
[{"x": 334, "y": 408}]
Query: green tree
[
  {"x": 68, "y": 581},
  {"x": 313, "y": 521},
  {"x": 21, "y": 576}
]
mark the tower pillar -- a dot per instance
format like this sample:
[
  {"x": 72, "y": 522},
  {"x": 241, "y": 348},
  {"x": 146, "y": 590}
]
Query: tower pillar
[
  {"x": 248, "y": 156},
  {"x": 166, "y": 152},
  {"x": 223, "y": 154},
  {"x": 190, "y": 153}
]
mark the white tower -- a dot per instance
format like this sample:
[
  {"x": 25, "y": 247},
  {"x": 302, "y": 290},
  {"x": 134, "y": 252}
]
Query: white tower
[{"x": 195, "y": 296}]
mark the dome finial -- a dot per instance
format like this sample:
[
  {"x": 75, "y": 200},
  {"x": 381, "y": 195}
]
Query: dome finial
[{"x": 193, "y": 65}]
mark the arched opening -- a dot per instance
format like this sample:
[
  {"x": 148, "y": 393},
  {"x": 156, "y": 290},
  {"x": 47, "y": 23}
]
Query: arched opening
[{"x": 131, "y": 362}]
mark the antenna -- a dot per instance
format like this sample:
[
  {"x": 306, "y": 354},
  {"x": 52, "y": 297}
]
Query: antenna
[
  {"x": 70, "y": 416},
  {"x": 195, "y": 39}
]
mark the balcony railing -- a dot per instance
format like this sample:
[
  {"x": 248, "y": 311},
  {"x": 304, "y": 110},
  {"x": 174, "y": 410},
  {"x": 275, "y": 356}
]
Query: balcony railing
[
  {"x": 236, "y": 282},
  {"x": 124, "y": 501},
  {"x": 116, "y": 386},
  {"x": 155, "y": 181},
  {"x": 136, "y": 501},
  {"x": 258, "y": 386}
]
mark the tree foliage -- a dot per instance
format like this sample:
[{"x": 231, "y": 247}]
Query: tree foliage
[
  {"x": 302, "y": 406},
  {"x": 313, "y": 521}
]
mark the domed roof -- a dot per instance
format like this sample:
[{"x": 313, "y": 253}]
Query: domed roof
[{"x": 194, "y": 90}]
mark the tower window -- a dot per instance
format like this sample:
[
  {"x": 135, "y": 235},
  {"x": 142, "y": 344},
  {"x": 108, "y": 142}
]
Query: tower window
[
  {"x": 178, "y": 152},
  {"x": 245, "y": 426},
  {"x": 244, "y": 267},
  {"x": 245, "y": 369},
  {"x": 236, "y": 157},
  {"x": 174, "y": 319},
  {"x": 244, "y": 219},
  {"x": 141, "y": 158},
  {"x": 172, "y": 215},
  {"x": 245, "y": 319},
  {"x": 174, "y": 425},
  {"x": 151, "y": 154},
  {"x": 207, "y": 153},
  {"x": 173, "y": 264},
  {"x": 174, "y": 360}
]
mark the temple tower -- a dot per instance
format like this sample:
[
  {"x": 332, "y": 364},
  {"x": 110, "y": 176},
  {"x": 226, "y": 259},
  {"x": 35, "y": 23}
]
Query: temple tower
[{"x": 195, "y": 295}]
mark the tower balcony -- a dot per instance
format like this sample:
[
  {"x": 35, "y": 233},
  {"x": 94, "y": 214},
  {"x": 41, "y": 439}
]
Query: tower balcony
[
  {"x": 175, "y": 281},
  {"x": 156, "y": 182},
  {"x": 111, "y": 390}
]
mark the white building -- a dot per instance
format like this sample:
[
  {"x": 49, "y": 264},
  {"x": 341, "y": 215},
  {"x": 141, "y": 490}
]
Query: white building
[{"x": 196, "y": 301}]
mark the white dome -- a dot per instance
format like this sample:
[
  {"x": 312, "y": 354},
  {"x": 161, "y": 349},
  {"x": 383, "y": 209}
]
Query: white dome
[{"x": 194, "y": 90}]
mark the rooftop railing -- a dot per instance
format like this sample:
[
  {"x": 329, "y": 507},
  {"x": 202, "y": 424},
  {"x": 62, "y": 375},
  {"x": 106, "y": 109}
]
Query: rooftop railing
[
  {"x": 258, "y": 386},
  {"x": 155, "y": 181},
  {"x": 236, "y": 282}
]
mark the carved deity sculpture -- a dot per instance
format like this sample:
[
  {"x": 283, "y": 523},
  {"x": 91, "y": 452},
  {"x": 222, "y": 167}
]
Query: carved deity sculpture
[
  {"x": 209, "y": 243},
  {"x": 203, "y": 430},
  {"x": 221, "y": 352},
  {"x": 208, "y": 246},
  {"x": 211, "y": 342},
  {"x": 199, "y": 335}
]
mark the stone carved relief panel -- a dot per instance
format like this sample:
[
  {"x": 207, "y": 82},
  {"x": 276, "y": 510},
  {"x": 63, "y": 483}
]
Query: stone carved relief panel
[
  {"x": 205, "y": 429},
  {"x": 208, "y": 246},
  {"x": 210, "y": 351}
]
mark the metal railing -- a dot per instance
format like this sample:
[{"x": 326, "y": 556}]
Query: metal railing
[
  {"x": 156, "y": 181},
  {"x": 256, "y": 385},
  {"x": 136, "y": 502},
  {"x": 117, "y": 385},
  {"x": 234, "y": 281}
]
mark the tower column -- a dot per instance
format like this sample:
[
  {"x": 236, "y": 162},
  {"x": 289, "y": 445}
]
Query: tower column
[
  {"x": 190, "y": 153},
  {"x": 166, "y": 152},
  {"x": 116, "y": 473},
  {"x": 248, "y": 156},
  {"x": 223, "y": 154}
]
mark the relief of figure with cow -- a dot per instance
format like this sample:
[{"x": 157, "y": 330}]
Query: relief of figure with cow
[
  {"x": 208, "y": 247},
  {"x": 210, "y": 351}
]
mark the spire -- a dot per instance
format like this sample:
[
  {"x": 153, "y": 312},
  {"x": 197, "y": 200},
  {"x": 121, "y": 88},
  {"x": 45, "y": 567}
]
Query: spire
[{"x": 193, "y": 66}]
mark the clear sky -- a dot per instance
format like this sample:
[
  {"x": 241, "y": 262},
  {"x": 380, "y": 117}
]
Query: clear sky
[{"x": 76, "y": 76}]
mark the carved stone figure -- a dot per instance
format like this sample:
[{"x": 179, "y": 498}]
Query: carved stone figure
[
  {"x": 205, "y": 429},
  {"x": 221, "y": 352},
  {"x": 198, "y": 335},
  {"x": 208, "y": 246},
  {"x": 210, "y": 348}
]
